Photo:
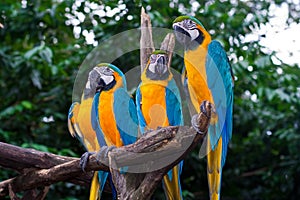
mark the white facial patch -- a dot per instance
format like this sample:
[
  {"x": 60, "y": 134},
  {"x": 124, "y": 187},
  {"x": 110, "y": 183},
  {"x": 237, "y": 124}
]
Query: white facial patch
[
  {"x": 193, "y": 33},
  {"x": 152, "y": 67},
  {"x": 107, "y": 79},
  {"x": 88, "y": 84},
  {"x": 106, "y": 74}
]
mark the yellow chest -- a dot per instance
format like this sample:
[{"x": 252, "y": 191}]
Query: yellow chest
[
  {"x": 197, "y": 80},
  {"x": 107, "y": 119},
  {"x": 153, "y": 105},
  {"x": 84, "y": 122}
]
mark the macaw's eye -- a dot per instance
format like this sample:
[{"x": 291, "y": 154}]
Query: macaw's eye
[
  {"x": 190, "y": 23},
  {"x": 107, "y": 71}
]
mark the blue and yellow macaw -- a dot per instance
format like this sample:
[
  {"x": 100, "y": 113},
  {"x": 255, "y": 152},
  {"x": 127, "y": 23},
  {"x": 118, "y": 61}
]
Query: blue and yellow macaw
[
  {"x": 112, "y": 115},
  {"x": 158, "y": 105},
  {"x": 208, "y": 76},
  {"x": 80, "y": 126}
]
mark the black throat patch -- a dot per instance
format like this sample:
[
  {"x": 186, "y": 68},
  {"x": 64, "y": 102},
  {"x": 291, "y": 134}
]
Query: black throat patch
[
  {"x": 157, "y": 77},
  {"x": 103, "y": 87},
  {"x": 192, "y": 45}
]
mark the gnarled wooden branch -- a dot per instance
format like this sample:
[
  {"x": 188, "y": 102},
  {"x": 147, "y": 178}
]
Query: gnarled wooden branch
[
  {"x": 146, "y": 42},
  {"x": 146, "y": 157},
  {"x": 168, "y": 45},
  {"x": 40, "y": 169},
  {"x": 25, "y": 160}
]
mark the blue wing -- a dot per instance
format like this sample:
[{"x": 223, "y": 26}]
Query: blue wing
[
  {"x": 141, "y": 119},
  {"x": 219, "y": 78},
  {"x": 95, "y": 121},
  {"x": 102, "y": 176},
  {"x": 126, "y": 116},
  {"x": 173, "y": 103}
]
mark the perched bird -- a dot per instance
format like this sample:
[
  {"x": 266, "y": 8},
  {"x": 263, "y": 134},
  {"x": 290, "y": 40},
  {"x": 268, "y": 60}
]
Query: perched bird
[
  {"x": 208, "y": 76},
  {"x": 112, "y": 115},
  {"x": 80, "y": 126},
  {"x": 158, "y": 105}
]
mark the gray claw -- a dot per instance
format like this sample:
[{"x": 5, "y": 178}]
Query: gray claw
[
  {"x": 195, "y": 124},
  {"x": 103, "y": 152},
  {"x": 203, "y": 108},
  {"x": 84, "y": 160}
]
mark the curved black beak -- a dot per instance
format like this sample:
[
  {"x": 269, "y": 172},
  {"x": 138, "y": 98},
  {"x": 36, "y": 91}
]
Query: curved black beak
[
  {"x": 100, "y": 86},
  {"x": 181, "y": 34},
  {"x": 161, "y": 65}
]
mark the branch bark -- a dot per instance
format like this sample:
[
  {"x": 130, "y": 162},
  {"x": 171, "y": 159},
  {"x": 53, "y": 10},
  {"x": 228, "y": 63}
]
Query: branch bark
[
  {"x": 25, "y": 160},
  {"x": 146, "y": 42},
  {"x": 145, "y": 159},
  {"x": 168, "y": 45},
  {"x": 39, "y": 168}
]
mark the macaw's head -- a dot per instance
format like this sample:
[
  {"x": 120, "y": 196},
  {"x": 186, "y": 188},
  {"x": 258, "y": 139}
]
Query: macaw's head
[
  {"x": 190, "y": 32},
  {"x": 157, "y": 66},
  {"x": 104, "y": 77}
]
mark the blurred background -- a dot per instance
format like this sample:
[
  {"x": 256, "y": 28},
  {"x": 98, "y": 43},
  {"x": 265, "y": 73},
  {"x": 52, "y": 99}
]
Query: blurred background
[{"x": 43, "y": 43}]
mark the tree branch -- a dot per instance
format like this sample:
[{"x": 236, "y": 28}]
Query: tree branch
[
  {"x": 147, "y": 157},
  {"x": 146, "y": 42},
  {"x": 25, "y": 160},
  {"x": 168, "y": 45}
]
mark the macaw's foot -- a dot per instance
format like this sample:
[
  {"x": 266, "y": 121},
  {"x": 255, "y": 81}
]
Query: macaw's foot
[
  {"x": 196, "y": 125},
  {"x": 103, "y": 152},
  {"x": 206, "y": 110},
  {"x": 206, "y": 107},
  {"x": 84, "y": 159}
]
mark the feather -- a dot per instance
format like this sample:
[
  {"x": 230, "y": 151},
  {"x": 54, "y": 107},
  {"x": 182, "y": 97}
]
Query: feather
[
  {"x": 141, "y": 119},
  {"x": 220, "y": 83},
  {"x": 219, "y": 79},
  {"x": 125, "y": 116}
]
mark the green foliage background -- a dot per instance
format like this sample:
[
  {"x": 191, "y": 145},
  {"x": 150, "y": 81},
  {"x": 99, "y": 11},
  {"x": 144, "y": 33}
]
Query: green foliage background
[{"x": 40, "y": 56}]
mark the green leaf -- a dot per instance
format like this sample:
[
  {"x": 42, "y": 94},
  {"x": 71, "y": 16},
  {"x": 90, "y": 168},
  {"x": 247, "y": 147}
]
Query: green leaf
[
  {"x": 33, "y": 51},
  {"x": 270, "y": 93},
  {"x": 263, "y": 61},
  {"x": 26, "y": 104},
  {"x": 46, "y": 54},
  {"x": 282, "y": 95},
  {"x": 35, "y": 78}
]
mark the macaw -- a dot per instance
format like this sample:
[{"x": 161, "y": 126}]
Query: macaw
[
  {"x": 112, "y": 115},
  {"x": 80, "y": 126},
  {"x": 208, "y": 76},
  {"x": 158, "y": 105}
]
